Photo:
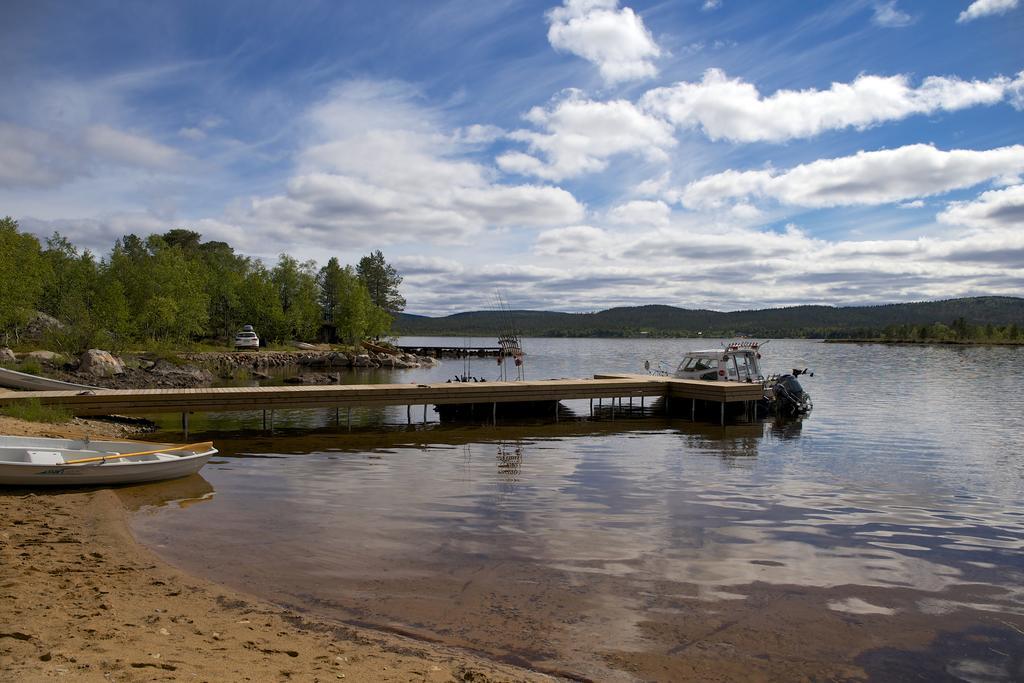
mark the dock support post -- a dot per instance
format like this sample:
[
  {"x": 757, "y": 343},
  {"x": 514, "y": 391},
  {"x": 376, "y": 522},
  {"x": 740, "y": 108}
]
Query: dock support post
[
  {"x": 723, "y": 413},
  {"x": 642, "y": 402},
  {"x": 264, "y": 419},
  {"x": 184, "y": 424},
  {"x": 666, "y": 405},
  {"x": 556, "y": 411},
  {"x": 591, "y": 408},
  {"x": 494, "y": 413},
  {"x": 424, "y": 413},
  {"x": 408, "y": 414},
  {"x": 337, "y": 417},
  {"x": 613, "y": 407},
  {"x": 350, "y": 418},
  {"x": 271, "y": 421}
]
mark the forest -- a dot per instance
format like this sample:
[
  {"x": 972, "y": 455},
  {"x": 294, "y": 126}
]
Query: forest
[
  {"x": 974, "y": 319},
  {"x": 176, "y": 289}
]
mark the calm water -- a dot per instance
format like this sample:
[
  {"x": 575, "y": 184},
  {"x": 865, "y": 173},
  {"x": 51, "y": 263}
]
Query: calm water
[{"x": 883, "y": 535}]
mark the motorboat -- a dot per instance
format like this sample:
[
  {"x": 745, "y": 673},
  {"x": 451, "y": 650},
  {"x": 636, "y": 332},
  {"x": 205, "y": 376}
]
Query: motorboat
[
  {"x": 36, "y": 461},
  {"x": 741, "y": 362}
]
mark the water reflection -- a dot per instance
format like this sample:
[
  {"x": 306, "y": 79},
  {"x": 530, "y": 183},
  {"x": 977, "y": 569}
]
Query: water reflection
[
  {"x": 180, "y": 493},
  {"x": 828, "y": 548}
]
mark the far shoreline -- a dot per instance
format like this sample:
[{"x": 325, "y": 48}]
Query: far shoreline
[{"x": 924, "y": 342}]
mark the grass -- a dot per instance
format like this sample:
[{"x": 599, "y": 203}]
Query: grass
[
  {"x": 33, "y": 411},
  {"x": 31, "y": 366}
]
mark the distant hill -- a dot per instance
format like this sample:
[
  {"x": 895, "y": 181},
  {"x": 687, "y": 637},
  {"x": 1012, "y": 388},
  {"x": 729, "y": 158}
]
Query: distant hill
[{"x": 668, "y": 321}]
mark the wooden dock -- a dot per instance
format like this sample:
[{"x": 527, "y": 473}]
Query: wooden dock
[
  {"x": 451, "y": 351},
  {"x": 226, "y": 399}
]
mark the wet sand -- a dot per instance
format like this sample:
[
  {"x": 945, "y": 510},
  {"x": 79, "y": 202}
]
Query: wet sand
[{"x": 83, "y": 601}]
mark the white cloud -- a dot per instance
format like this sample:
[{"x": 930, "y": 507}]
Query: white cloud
[
  {"x": 732, "y": 109},
  {"x": 130, "y": 149},
  {"x": 614, "y": 39},
  {"x": 866, "y": 178},
  {"x": 653, "y": 187},
  {"x": 640, "y": 212},
  {"x": 916, "y": 204},
  {"x": 710, "y": 5},
  {"x": 34, "y": 158},
  {"x": 991, "y": 210},
  {"x": 985, "y": 8},
  {"x": 379, "y": 169},
  {"x": 576, "y": 241},
  {"x": 888, "y": 15},
  {"x": 31, "y": 158},
  {"x": 581, "y": 135},
  {"x": 478, "y": 134}
]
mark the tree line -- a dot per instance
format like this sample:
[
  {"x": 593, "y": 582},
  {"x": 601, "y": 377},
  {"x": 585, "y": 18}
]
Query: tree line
[
  {"x": 177, "y": 288},
  {"x": 991, "y": 318}
]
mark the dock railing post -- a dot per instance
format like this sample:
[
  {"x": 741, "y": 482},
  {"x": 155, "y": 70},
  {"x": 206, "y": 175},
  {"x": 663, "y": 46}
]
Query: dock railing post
[{"x": 184, "y": 424}]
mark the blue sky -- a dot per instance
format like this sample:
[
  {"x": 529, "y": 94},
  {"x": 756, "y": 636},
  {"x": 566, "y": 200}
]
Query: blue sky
[{"x": 575, "y": 155}]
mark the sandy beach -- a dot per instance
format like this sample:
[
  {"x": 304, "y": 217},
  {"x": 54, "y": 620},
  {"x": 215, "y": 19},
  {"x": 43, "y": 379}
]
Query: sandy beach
[{"x": 84, "y": 601}]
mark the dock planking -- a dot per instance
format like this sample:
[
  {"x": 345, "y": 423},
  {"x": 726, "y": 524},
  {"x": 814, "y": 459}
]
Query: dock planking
[{"x": 227, "y": 399}]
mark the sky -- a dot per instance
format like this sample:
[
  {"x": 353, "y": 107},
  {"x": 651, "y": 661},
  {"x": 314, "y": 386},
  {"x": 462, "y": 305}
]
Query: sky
[{"x": 573, "y": 155}]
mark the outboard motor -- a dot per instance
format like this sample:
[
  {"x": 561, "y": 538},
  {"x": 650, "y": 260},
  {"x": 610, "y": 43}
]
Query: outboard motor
[{"x": 790, "y": 396}]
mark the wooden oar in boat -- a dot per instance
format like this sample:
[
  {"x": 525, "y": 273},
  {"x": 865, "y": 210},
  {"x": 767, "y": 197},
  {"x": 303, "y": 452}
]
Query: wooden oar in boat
[{"x": 203, "y": 445}]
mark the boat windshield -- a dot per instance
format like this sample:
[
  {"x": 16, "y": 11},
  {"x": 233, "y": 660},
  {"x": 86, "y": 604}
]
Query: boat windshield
[{"x": 698, "y": 364}]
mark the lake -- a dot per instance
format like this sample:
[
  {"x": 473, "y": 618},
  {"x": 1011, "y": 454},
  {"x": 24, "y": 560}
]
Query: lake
[{"x": 882, "y": 536}]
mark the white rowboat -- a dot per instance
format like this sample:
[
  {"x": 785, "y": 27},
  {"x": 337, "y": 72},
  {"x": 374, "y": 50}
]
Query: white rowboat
[{"x": 32, "y": 461}]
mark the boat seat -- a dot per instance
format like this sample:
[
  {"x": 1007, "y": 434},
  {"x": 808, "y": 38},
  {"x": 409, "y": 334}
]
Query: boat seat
[{"x": 45, "y": 457}]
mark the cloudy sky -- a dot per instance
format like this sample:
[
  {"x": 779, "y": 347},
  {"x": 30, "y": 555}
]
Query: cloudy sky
[{"x": 578, "y": 155}]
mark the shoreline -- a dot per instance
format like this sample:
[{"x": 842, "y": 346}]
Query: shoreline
[
  {"x": 85, "y": 600},
  {"x": 925, "y": 342}
]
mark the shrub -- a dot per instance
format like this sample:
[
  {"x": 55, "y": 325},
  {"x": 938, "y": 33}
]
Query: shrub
[{"x": 33, "y": 411}]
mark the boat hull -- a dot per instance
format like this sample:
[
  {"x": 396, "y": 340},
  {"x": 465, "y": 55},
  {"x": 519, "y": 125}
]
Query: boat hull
[{"x": 124, "y": 471}]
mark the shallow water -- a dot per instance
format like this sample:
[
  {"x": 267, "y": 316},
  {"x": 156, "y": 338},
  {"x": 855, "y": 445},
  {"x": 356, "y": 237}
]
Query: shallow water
[{"x": 882, "y": 534}]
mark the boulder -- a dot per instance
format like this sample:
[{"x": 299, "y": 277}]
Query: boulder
[
  {"x": 48, "y": 357},
  {"x": 363, "y": 361},
  {"x": 99, "y": 363},
  {"x": 7, "y": 356},
  {"x": 39, "y": 325},
  {"x": 181, "y": 374}
]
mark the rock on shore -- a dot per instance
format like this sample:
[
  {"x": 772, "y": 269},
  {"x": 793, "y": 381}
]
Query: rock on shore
[
  {"x": 101, "y": 368},
  {"x": 225, "y": 362},
  {"x": 100, "y": 363}
]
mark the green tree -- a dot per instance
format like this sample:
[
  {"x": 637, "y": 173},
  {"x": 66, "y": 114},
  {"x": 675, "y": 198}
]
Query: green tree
[
  {"x": 328, "y": 281},
  {"x": 297, "y": 290},
  {"x": 225, "y": 278},
  {"x": 353, "y": 312},
  {"x": 260, "y": 306},
  {"x": 164, "y": 287},
  {"x": 21, "y": 278},
  {"x": 381, "y": 280}
]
